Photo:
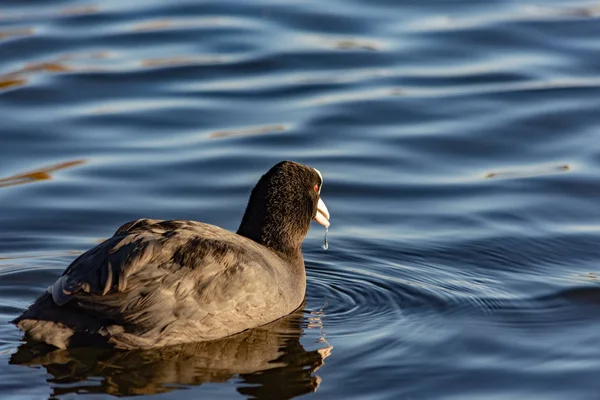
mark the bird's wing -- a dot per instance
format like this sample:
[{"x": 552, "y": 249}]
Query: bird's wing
[{"x": 152, "y": 273}]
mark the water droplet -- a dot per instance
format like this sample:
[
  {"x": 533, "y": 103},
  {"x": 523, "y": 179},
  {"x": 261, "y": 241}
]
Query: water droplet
[{"x": 325, "y": 243}]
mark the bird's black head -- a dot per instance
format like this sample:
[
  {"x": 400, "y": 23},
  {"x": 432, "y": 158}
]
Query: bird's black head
[{"x": 281, "y": 206}]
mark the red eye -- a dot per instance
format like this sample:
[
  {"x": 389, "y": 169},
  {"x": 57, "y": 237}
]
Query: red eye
[{"x": 316, "y": 188}]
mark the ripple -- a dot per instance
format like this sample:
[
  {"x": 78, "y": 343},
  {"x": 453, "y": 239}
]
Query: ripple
[
  {"x": 183, "y": 60},
  {"x": 187, "y": 23},
  {"x": 38, "y": 175},
  {"x": 17, "y": 32},
  {"x": 522, "y": 13},
  {"x": 528, "y": 172},
  {"x": 48, "y": 12},
  {"x": 259, "y": 130},
  {"x": 8, "y": 83},
  {"x": 344, "y": 43},
  {"x": 458, "y": 141},
  {"x": 356, "y": 300}
]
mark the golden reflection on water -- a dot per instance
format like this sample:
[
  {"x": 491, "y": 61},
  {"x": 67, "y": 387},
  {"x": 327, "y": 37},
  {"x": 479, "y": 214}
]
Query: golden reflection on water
[
  {"x": 80, "y": 10},
  {"x": 344, "y": 43},
  {"x": 16, "y": 32},
  {"x": 248, "y": 131},
  {"x": 44, "y": 66},
  {"x": 155, "y": 25},
  {"x": 86, "y": 62},
  {"x": 186, "y": 22},
  {"x": 45, "y": 14},
  {"x": 528, "y": 172},
  {"x": 183, "y": 60},
  {"x": 6, "y": 83},
  {"x": 17, "y": 77},
  {"x": 77, "y": 63},
  {"x": 37, "y": 175}
]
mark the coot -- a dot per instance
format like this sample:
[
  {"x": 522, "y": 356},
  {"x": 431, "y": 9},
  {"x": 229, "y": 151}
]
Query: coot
[{"x": 158, "y": 283}]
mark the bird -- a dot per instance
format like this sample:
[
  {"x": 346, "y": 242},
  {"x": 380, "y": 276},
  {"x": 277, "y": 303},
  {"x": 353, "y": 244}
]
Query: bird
[{"x": 157, "y": 283}]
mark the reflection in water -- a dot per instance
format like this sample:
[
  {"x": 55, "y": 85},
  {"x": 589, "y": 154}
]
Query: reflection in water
[
  {"x": 16, "y": 78},
  {"x": 44, "y": 66},
  {"x": 153, "y": 25},
  {"x": 80, "y": 10},
  {"x": 183, "y": 60},
  {"x": 270, "y": 362},
  {"x": 248, "y": 131},
  {"x": 37, "y": 175},
  {"x": 528, "y": 172},
  {"x": 41, "y": 13},
  {"x": 6, "y": 83},
  {"x": 187, "y": 22},
  {"x": 63, "y": 64},
  {"x": 16, "y": 32},
  {"x": 344, "y": 43}
]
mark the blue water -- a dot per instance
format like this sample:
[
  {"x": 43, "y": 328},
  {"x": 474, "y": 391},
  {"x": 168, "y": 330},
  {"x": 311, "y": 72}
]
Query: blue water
[{"x": 460, "y": 147}]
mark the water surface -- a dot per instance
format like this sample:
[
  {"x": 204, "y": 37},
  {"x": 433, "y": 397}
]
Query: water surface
[{"x": 459, "y": 145}]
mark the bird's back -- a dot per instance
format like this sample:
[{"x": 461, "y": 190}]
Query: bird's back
[{"x": 157, "y": 283}]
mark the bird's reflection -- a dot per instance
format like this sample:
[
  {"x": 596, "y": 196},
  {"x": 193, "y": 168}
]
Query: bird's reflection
[{"x": 270, "y": 362}]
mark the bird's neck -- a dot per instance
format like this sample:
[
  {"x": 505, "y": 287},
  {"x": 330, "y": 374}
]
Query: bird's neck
[
  {"x": 273, "y": 235},
  {"x": 276, "y": 224}
]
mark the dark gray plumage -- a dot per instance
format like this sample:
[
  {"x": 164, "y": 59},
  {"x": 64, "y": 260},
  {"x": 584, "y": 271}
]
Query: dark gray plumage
[{"x": 158, "y": 283}]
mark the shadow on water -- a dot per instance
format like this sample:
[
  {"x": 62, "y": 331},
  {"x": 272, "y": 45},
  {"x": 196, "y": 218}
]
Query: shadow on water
[{"x": 270, "y": 362}]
